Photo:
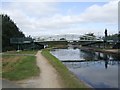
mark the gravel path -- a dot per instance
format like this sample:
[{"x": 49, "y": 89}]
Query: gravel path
[
  {"x": 8, "y": 84},
  {"x": 48, "y": 76}
]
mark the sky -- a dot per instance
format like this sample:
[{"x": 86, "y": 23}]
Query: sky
[{"x": 55, "y": 17}]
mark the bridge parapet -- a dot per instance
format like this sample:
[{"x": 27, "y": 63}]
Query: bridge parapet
[{"x": 69, "y": 40}]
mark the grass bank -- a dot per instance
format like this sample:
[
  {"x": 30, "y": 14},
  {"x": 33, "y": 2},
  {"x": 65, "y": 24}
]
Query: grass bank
[
  {"x": 68, "y": 79},
  {"x": 19, "y": 67}
]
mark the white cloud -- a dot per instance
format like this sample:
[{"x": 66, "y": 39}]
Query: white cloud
[
  {"x": 28, "y": 15},
  {"x": 31, "y": 8},
  {"x": 106, "y": 13},
  {"x": 44, "y": 18}
]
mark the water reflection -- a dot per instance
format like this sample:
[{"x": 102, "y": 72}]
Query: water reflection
[
  {"x": 106, "y": 60},
  {"x": 106, "y": 63},
  {"x": 87, "y": 55},
  {"x": 97, "y": 69}
]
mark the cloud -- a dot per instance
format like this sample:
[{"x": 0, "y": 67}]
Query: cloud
[
  {"x": 28, "y": 15},
  {"x": 94, "y": 14},
  {"x": 45, "y": 18},
  {"x": 106, "y": 13},
  {"x": 31, "y": 8}
]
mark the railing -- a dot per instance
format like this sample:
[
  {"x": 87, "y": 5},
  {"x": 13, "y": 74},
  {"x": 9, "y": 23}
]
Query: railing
[{"x": 69, "y": 40}]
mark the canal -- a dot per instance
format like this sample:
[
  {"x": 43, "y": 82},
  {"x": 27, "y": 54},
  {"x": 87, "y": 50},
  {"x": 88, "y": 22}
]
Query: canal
[{"x": 96, "y": 69}]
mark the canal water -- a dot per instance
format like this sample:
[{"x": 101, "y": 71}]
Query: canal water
[{"x": 96, "y": 69}]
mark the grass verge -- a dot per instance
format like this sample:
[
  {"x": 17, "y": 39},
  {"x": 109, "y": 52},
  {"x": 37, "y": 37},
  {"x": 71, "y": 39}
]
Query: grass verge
[
  {"x": 19, "y": 67},
  {"x": 68, "y": 79}
]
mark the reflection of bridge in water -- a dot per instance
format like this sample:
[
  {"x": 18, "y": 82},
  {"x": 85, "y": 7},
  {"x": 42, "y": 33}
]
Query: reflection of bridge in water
[
  {"x": 85, "y": 63},
  {"x": 93, "y": 58}
]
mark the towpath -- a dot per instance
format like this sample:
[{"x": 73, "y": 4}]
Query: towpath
[{"x": 48, "y": 77}]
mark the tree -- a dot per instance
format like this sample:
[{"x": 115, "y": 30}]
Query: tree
[
  {"x": 9, "y": 30},
  {"x": 105, "y": 32},
  {"x": 119, "y": 36},
  {"x": 113, "y": 37},
  {"x": 62, "y": 39}
]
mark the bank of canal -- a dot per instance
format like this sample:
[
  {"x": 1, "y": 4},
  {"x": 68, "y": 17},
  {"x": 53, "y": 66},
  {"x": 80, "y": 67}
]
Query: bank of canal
[{"x": 98, "y": 69}]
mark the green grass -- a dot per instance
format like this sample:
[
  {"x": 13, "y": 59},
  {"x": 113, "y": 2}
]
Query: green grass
[
  {"x": 68, "y": 79},
  {"x": 19, "y": 67}
]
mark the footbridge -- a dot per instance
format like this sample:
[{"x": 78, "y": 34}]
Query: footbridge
[
  {"x": 25, "y": 43},
  {"x": 72, "y": 42}
]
